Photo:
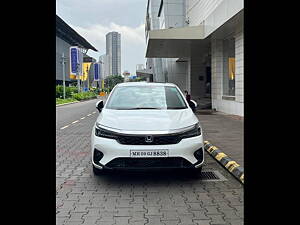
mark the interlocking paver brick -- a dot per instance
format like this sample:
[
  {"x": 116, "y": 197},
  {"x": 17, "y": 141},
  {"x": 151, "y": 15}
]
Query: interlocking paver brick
[
  {"x": 91, "y": 219},
  {"x": 63, "y": 214},
  {"x": 195, "y": 206},
  {"x": 200, "y": 215},
  {"x": 122, "y": 220},
  {"x": 169, "y": 198},
  {"x": 170, "y": 222},
  {"x": 212, "y": 210},
  {"x": 153, "y": 210},
  {"x": 140, "y": 222},
  {"x": 170, "y": 215},
  {"x": 73, "y": 222},
  {"x": 186, "y": 219},
  {"x": 217, "y": 219},
  {"x": 235, "y": 221},
  {"x": 230, "y": 213},
  {"x": 202, "y": 222}
]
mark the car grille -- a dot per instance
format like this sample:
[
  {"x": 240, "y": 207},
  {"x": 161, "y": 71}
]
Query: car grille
[
  {"x": 170, "y": 162},
  {"x": 141, "y": 140}
]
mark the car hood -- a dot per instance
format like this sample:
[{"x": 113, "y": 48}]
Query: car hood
[{"x": 147, "y": 120}]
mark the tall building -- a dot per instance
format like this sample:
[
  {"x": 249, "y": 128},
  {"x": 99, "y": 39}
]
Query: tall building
[
  {"x": 103, "y": 66},
  {"x": 198, "y": 45},
  {"x": 113, "y": 52}
]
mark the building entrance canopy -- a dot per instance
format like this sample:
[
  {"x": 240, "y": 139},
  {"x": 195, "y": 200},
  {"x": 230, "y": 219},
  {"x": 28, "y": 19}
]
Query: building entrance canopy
[
  {"x": 146, "y": 73},
  {"x": 175, "y": 42}
]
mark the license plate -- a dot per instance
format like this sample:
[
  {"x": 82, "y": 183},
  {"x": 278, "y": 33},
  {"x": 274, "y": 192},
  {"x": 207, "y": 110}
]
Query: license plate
[{"x": 149, "y": 153}]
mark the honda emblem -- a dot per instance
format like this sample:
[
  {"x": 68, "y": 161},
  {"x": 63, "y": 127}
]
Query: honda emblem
[{"x": 149, "y": 139}]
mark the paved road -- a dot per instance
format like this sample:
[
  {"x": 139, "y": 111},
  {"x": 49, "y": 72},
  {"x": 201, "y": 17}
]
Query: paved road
[
  {"x": 133, "y": 198},
  {"x": 69, "y": 113}
]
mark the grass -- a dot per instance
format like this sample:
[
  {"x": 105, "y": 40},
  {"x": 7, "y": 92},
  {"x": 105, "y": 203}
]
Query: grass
[{"x": 63, "y": 101}]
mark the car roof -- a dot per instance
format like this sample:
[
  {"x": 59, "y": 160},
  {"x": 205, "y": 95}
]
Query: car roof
[{"x": 141, "y": 83}]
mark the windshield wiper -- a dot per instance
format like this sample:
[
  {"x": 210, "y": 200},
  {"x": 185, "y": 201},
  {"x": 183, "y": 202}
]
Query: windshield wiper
[
  {"x": 176, "y": 108},
  {"x": 141, "y": 108}
]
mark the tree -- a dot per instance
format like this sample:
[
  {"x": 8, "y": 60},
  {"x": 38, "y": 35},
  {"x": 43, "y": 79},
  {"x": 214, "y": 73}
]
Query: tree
[
  {"x": 138, "y": 79},
  {"x": 112, "y": 80}
]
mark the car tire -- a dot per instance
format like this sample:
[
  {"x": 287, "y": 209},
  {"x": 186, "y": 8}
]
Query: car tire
[{"x": 97, "y": 171}]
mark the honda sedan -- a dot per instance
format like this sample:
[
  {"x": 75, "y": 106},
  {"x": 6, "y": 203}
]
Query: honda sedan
[{"x": 146, "y": 126}]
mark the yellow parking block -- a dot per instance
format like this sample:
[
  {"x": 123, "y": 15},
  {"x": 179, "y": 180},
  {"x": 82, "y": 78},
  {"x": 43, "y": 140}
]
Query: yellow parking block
[
  {"x": 242, "y": 178},
  {"x": 233, "y": 166},
  {"x": 211, "y": 149},
  {"x": 220, "y": 156}
]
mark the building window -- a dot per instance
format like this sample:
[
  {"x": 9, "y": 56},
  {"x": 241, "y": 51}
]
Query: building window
[{"x": 229, "y": 67}]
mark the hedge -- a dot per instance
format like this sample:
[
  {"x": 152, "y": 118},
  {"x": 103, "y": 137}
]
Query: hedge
[{"x": 69, "y": 91}]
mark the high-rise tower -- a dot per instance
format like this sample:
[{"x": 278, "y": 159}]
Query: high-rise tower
[{"x": 113, "y": 52}]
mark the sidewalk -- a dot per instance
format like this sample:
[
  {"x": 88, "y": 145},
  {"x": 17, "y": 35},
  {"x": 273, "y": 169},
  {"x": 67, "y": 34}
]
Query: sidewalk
[{"x": 225, "y": 132}]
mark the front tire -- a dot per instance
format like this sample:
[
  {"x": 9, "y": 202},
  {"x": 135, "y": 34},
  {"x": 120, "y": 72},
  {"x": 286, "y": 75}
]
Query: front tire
[{"x": 97, "y": 172}]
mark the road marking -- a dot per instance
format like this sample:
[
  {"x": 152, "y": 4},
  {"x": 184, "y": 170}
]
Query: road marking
[
  {"x": 94, "y": 112},
  {"x": 89, "y": 114},
  {"x": 75, "y": 121},
  {"x": 64, "y": 127},
  {"x": 82, "y": 118}
]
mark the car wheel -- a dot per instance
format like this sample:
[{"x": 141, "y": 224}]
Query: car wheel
[{"x": 97, "y": 171}]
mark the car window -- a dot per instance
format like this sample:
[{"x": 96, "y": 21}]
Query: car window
[{"x": 146, "y": 97}]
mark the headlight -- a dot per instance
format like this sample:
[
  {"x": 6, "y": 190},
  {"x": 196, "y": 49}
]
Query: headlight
[
  {"x": 100, "y": 132},
  {"x": 195, "y": 131}
]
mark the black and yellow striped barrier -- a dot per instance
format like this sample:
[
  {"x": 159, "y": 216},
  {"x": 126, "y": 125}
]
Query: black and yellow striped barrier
[{"x": 232, "y": 166}]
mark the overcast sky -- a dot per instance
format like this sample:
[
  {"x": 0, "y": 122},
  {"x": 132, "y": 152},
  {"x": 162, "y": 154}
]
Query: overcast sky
[{"x": 93, "y": 19}]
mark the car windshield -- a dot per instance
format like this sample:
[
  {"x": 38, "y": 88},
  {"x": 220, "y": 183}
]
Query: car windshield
[{"x": 146, "y": 97}]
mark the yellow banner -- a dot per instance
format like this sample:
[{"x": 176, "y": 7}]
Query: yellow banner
[
  {"x": 86, "y": 69},
  {"x": 72, "y": 76},
  {"x": 231, "y": 68}
]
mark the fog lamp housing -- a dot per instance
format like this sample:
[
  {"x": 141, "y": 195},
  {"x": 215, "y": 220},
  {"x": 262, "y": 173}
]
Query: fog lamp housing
[
  {"x": 97, "y": 156},
  {"x": 199, "y": 154}
]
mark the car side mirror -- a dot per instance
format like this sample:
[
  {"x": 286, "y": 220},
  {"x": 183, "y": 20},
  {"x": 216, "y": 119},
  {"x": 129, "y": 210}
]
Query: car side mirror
[
  {"x": 193, "y": 105},
  {"x": 100, "y": 105}
]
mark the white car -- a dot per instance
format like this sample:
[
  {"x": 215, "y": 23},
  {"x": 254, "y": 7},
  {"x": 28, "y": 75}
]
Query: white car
[{"x": 146, "y": 126}]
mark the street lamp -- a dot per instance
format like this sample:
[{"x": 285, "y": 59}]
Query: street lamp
[
  {"x": 88, "y": 77},
  {"x": 64, "y": 76}
]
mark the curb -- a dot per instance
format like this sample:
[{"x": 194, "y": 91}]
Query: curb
[
  {"x": 75, "y": 102},
  {"x": 230, "y": 165},
  {"x": 67, "y": 103}
]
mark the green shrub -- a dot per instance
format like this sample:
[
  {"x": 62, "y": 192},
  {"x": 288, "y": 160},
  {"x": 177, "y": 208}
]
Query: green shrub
[
  {"x": 63, "y": 101},
  {"x": 84, "y": 95},
  {"x": 59, "y": 91},
  {"x": 69, "y": 91}
]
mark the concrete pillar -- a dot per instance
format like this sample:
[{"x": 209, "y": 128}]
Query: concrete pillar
[
  {"x": 239, "y": 65},
  {"x": 217, "y": 72},
  {"x": 197, "y": 70}
]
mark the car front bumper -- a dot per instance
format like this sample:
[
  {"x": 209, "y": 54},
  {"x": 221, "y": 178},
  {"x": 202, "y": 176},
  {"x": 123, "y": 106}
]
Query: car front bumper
[{"x": 117, "y": 156}]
